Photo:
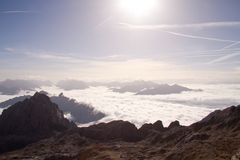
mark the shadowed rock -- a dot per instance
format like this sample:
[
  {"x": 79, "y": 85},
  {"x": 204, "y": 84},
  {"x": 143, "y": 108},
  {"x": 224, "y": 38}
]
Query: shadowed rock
[
  {"x": 174, "y": 124},
  {"x": 216, "y": 137},
  {"x": 121, "y": 130},
  {"x": 29, "y": 121},
  {"x": 80, "y": 112}
]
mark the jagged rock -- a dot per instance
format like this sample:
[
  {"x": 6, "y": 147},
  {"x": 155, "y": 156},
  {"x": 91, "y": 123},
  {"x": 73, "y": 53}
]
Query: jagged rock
[
  {"x": 121, "y": 130},
  {"x": 149, "y": 128},
  {"x": 31, "y": 120},
  {"x": 158, "y": 125},
  {"x": 80, "y": 112},
  {"x": 227, "y": 118},
  {"x": 174, "y": 124},
  {"x": 37, "y": 115},
  {"x": 120, "y": 140}
]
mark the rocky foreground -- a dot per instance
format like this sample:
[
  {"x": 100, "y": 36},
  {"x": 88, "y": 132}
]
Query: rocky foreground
[{"x": 216, "y": 137}]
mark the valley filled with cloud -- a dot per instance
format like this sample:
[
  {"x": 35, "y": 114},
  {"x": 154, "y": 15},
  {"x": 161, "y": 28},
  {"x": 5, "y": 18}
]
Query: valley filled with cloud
[{"x": 187, "y": 107}]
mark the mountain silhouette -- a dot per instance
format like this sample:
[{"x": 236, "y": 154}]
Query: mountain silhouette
[
  {"x": 31, "y": 120},
  {"x": 217, "y": 136},
  {"x": 80, "y": 112},
  {"x": 12, "y": 87}
]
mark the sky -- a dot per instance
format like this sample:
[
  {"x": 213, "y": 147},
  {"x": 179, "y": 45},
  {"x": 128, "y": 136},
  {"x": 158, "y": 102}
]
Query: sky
[{"x": 162, "y": 40}]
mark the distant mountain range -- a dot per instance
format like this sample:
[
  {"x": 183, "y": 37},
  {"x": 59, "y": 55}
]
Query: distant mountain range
[
  {"x": 151, "y": 88},
  {"x": 12, "y": 87},
  {"x": 166, "y": 89},
  {"x": 215, "y": 137},
  {"x": 135, "y": 86},
  {"x": 72, "y": 84},
  {"x": 80, "y": 112}
]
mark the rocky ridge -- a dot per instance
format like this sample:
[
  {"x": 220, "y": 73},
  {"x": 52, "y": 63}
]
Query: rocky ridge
[{"x": 216, "y": 137}]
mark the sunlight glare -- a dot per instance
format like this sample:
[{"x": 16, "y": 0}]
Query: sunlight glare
[{"x": 138, "y": 8}]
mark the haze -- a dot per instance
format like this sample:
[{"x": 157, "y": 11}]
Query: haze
[{"x": 167, "y": 41}]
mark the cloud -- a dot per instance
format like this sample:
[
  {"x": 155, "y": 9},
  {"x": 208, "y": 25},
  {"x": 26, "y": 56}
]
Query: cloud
[
  {"x": 68, "y": 116},
  {"x": 54, "y": 66},
  {"x": 8, "y": 49},
  {"x": 192, "y": 25},
  {"x": 186, "y": 107}
]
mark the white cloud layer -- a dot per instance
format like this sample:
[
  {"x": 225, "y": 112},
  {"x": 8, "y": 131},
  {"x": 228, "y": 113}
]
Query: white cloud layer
[{"x": 187, "y": 107}]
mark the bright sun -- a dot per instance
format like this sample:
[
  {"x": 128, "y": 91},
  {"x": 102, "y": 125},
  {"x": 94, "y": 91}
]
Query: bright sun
[{"x": 138, "y": 8}]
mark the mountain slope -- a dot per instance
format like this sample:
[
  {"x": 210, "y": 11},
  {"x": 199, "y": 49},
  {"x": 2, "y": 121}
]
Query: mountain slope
[
  {"x": 216, "y": 137},
  {"x": 31, "y": 120},
  {"x": 80, "y": 112}
]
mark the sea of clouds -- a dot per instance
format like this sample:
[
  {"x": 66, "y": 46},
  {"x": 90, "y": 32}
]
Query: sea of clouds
[{"x": 187, "y": 107}]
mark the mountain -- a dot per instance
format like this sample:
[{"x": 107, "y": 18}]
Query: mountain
[
  {"x": 165, "y": 89},
  {"x": 151, "y": 88},
  {"x": 80, "y": 112},
  {"x": 12, "y": 87},
  {"x": 12, "y": 101},
  {"x": 29, "y": 121},
  {"x": 72, "y": 85},
  {"x": 135, "y": 86},
  {"x": 215, "y": 137}
]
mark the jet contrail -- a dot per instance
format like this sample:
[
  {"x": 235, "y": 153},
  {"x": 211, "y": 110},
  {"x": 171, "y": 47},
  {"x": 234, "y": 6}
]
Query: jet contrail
[
  {"x": 223, "y": 58},
  {"x": 179, "y": 34}
]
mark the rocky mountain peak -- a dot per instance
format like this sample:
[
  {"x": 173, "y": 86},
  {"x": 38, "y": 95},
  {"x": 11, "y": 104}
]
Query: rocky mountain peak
[{"x": 37, "y": 115}]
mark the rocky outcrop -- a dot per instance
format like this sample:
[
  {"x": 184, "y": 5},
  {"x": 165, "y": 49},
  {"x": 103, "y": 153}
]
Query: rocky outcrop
[
  {"x": 115, "y": 130},
  {"x": 148, "y": 128},
  {"x": 228, "y": 118},
  {"x": 80, "y": 112},
  {"x": 29, "y": 121},
  {"x": 174, "y": 124},
  {"x": 216, "y": 137}
]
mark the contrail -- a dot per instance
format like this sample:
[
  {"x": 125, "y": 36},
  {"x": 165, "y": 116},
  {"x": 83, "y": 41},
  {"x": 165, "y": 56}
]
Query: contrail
[
  {"x": 179, "y": 34},
  {"x": 231, "y": 45},
  {"x": 223, "y": 58},
  {"x": 163, "y": 27},
  {"x": 198, "y": 37},
  {"x": 104, "y": 21}
]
